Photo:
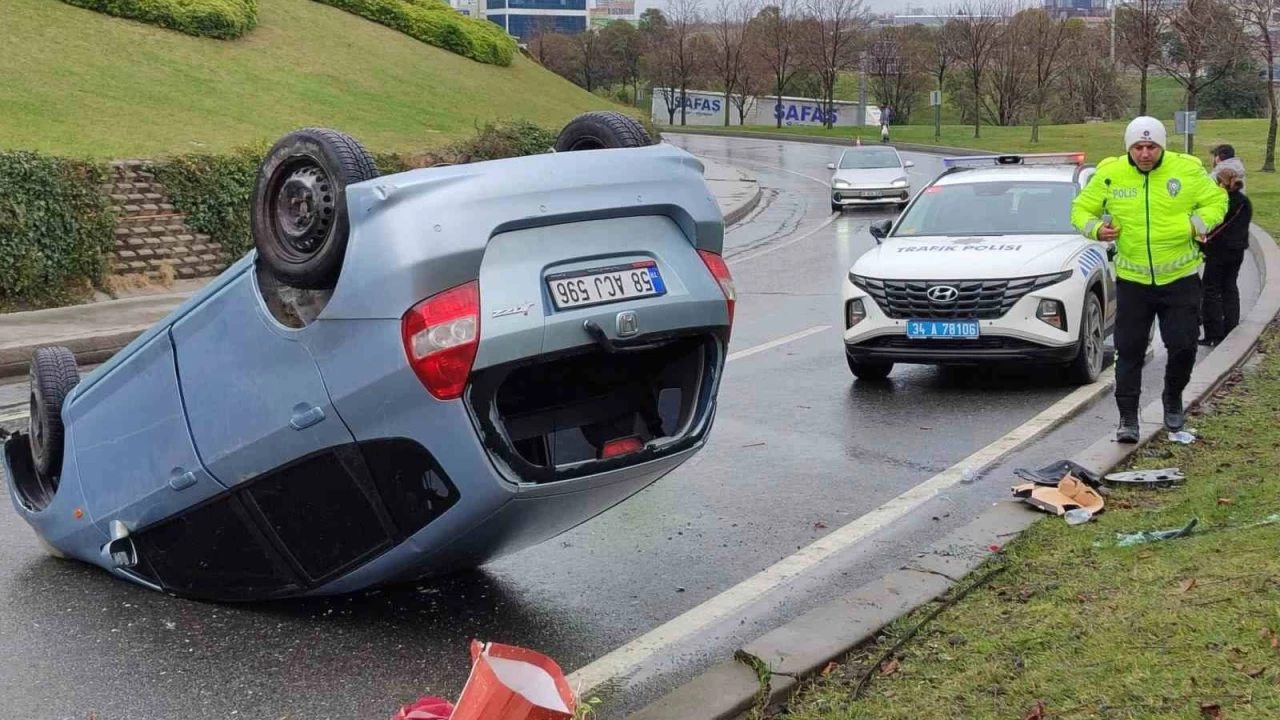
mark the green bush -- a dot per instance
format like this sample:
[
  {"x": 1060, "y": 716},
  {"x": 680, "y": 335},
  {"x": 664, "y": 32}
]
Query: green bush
[
  {"x": 222, "y": 19},
  {"x": 214, "y": 191},
  {"x": 55, "y": 229},
  {"x": 504, "y": 139},
  {"x": 435, "y": 23}
]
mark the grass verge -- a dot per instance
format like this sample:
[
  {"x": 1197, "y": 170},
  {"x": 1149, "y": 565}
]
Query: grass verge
[
  {"x": 1077, "y": 627},
  {"x": 1096, "y": 140}
]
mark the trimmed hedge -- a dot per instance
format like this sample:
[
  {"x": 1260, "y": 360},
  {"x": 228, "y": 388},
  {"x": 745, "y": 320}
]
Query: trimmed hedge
[
  {"x": 222, "y": 19},
  {"x": 56, "y": 227},
  {"x": 435, "y": 23}
]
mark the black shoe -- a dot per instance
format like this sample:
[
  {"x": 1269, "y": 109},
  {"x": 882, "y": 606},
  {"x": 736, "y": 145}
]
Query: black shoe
[
  {"x": 1207, "y": 342},
  {"x": 1174, "y": 418},
  {"x": 1128, "y": 430}
]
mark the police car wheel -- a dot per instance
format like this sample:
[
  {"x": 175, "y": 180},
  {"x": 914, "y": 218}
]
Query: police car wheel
[
  {"x": 864, "y": 370},
  {"x": 1087, "y": 365},
  {"x": 299, "y": 208},
  {"x": 602, "y": 130}
]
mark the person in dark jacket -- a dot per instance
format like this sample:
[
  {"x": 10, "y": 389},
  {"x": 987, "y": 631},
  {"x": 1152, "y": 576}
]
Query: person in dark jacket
[{"x": 1224, "y": 253}]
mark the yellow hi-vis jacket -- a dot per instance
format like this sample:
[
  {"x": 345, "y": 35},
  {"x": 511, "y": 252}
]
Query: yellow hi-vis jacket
[{"x": 1158, "y": 213}]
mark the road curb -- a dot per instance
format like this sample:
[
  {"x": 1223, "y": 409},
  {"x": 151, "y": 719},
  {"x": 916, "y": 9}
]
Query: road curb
[
  {"x": 743, "y": 209},
  {"x": 799, "y": 650}
]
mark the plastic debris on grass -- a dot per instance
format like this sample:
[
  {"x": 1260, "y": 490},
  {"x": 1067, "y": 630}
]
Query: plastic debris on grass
[{"x": 1182, "y": 437}]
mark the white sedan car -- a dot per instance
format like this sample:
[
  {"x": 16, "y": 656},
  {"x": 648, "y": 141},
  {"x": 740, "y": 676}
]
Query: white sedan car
[
  {"x": 984, "y": 266},
  {"x": 870, "y": 175}
]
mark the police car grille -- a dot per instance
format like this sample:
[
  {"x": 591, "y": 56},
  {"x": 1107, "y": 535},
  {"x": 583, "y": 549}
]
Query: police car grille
[{"x": 981, "y": 299}]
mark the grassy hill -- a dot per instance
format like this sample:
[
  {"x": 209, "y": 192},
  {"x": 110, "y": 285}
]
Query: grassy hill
[{"x": 77, "y": 82}]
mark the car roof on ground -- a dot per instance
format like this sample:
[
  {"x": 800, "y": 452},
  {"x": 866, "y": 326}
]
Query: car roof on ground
[{"x": 1007, "y": 173}]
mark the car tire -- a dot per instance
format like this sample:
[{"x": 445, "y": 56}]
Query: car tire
[
  {"x": 299, "y": 211},
  {"x": 864, "y": 370},
  {"x": 1091, "y": 352},
  {"x": 53, "y": 374},
  {"x": 836, "y": 208},
  {"x": 602, "y": 130}
]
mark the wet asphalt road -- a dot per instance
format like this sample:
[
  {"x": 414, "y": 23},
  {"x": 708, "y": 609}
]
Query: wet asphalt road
[{"x": 799, "y": 449}]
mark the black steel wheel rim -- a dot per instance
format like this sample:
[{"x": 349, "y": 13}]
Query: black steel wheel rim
[{"x": 303, "y": 206}]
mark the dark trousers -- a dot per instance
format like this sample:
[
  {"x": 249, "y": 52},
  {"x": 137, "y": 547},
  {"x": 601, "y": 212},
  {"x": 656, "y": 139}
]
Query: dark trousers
[
  {"x": 1220, "y": 310},
  {"x": 1177, "y": 306}
]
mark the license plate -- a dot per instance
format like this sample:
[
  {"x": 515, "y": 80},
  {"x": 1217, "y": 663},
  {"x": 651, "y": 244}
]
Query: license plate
[
  {"x": 870, "y": 193},
  {"x": 597, "y": 286},
  {"x": 961, "y": 329}
]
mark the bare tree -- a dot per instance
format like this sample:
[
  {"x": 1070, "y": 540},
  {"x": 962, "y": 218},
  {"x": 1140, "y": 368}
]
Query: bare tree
[
  {"x": 1008, "y": 88},
  {"x": 1048, "y": 39},
  {"x": 659, "y": 59},
  {"x": 590, "y": 58},
  {"x": 1202, "y": 45},
  {"x": 836, "y": 26},
  {"x": 979, "y": 25},
  {"x": 541, "y": 26},
  {"x": 895, "y": 62},
  {"x": 1257, "y": 16},
  {"x": 623, "y": 50},
  {"x": 753, "y": 76},
  {"x": 683, "y": 17},
  {"x": 729, "y": 31},
  {"x": 1089, "y": 87},
  {"x": 1139, "y": 24},
  {"x": 941, "y": 56},
  {"x": 777, "y": 23}
]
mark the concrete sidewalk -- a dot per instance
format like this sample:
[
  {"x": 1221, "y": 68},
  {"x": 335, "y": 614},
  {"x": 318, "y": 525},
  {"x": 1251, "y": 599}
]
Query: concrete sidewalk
[{"x": 95, "y": 331}]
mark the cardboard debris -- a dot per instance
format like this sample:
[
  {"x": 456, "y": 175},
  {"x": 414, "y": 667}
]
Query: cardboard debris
[{"x": 1070, "y": 493}]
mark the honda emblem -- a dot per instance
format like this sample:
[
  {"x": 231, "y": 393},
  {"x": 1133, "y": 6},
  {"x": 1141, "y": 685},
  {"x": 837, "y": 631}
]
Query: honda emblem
[{"x": 628, "y": 324}]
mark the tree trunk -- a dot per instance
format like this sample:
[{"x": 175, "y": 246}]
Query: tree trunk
[
  {"x": 977, "y": 112},
  {"x": 1142, "y": 96},
  {"x": 777, "y": 107},
  {"x": 1269, "y": 163},
  {"x": 1035, "y": 123},
  {"x": 684, "y": 100}
]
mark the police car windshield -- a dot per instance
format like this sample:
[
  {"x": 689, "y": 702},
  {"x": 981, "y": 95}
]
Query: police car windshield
[
  {"x": 869, "y": 158},
  {"x": 990, "y": 208}
]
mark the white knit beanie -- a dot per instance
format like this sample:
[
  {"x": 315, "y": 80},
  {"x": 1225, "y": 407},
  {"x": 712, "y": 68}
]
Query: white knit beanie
[{"x": 1144, "y": 128}]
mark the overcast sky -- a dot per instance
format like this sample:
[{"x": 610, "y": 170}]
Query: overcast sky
[{"x": 878, "y": 6}]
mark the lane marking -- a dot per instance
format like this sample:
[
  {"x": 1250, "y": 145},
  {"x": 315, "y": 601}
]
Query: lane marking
[
  {"x": 621, "y": 662},
  {"x": 14, "y": 417},
  {"x": 776, "y": 343}
]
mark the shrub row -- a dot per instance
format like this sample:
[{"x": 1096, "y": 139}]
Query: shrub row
[
  {"x": 55, "y": 227},
  {"x": 222, "y": 19},
  {"x": 435, "y": 23}
]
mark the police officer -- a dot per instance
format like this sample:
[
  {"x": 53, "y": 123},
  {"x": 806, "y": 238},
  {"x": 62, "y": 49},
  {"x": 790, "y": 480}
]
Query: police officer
[{"x": 1157, "y": 206}]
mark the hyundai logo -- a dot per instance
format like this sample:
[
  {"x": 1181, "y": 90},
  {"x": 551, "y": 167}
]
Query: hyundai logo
[
  {"x": 628, "y": 324},
  {"x": 943, "y": 294}
]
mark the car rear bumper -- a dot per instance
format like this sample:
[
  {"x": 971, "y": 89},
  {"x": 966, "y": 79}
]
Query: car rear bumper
[{"x": 986, "y": 349}]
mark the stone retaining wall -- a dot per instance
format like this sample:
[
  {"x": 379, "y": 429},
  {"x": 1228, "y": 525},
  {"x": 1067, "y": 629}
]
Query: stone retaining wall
[{"x": 151, "y": 233}]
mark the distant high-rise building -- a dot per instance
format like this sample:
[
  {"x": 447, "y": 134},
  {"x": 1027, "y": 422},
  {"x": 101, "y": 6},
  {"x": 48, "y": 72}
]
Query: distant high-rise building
[
  {"x": 1077, "y": 8},
  {"x": 526, "y": 18}
]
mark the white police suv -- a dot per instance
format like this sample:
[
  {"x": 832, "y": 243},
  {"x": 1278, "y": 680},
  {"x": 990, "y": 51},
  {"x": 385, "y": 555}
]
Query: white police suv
[{"x": 984, "y": 266}]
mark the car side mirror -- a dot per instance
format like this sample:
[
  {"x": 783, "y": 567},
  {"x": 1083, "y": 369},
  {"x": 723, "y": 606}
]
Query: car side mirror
[
  {"x": 909, "y": 164},
  {"x": 880, "y": 229},
  {"x": 121, "y": 550},
  {"x": 831, "y": 166}
]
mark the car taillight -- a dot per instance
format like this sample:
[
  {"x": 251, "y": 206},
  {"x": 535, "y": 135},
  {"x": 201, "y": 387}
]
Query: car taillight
[
  {"x": 441, "y": 335},
  {"x": 621, "y": 447},
  {"x": 720, "y": 272}
]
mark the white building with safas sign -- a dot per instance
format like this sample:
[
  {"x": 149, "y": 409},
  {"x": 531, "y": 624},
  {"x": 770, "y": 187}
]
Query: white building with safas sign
[{"x": 709, "y": 108}]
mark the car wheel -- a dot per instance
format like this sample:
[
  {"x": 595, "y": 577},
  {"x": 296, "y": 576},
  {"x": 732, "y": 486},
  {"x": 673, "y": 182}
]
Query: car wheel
[
  {"x": 902, "y": 207},
  {"x": 836, "y": 207},
  {"x": 602, "y": 130},
  {"x": 1087, "y": 365},
  {"x": 53, "y": 375},
  {"x": 864, "y": 370},
  {"x": 299, "y": 209}
]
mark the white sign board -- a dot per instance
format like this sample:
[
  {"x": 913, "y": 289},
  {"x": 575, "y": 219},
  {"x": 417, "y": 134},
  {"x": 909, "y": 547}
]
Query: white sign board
[
  {"x": 935, "y": 98},
  {"x": 708, "y": 108}
]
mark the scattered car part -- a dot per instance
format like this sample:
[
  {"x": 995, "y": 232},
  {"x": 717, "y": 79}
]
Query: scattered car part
[
  {"x": 1164, "y": 477},
  {"x": 1148, "y": 536},
  {"x": 1052, "y": 474}
]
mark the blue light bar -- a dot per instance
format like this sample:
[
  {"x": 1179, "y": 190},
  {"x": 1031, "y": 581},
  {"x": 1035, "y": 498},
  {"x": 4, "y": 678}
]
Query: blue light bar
[{"x": 1033, "y": 159}]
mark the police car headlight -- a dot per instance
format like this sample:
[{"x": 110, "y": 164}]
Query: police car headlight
[
  {"x": 857, "y": 312},
  {"x": 900, "y": 182},
  {"x": 840, "y": 183},
  {"x": 1053, "y": 313}
]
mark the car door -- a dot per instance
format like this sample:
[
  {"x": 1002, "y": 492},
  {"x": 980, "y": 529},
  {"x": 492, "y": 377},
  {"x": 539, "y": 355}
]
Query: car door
[
  {"x": 133, "y": 448},
  {"x": 254, "y": 396}
]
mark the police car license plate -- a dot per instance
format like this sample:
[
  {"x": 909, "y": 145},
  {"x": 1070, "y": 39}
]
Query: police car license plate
[
  {"x": 598, "y": 286},
  {"x": 930, "y": 329}
]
